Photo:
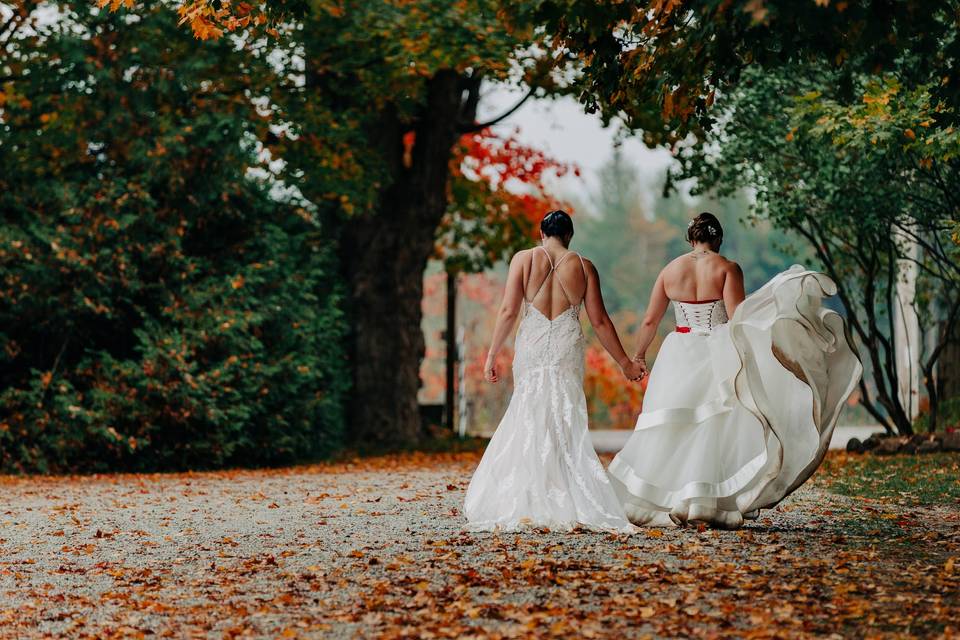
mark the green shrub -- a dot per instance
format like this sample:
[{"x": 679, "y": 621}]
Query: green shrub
[{"x": 158, "y": 309}]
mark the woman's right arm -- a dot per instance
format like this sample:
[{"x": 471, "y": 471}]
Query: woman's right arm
[
  {"x": 651, "y": 320},
  {"x": 506, "y": 317}
]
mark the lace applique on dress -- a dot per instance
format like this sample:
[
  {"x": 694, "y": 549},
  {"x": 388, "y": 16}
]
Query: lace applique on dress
[{"x": 542, "y": 443}]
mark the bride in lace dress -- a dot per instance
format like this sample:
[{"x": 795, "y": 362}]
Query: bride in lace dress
[
  {"x": 540, "y": 469},
  {"x": 737, "y": 414}
]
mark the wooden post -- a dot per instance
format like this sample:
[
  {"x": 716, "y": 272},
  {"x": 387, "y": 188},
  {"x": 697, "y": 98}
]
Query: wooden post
[
  {"x": 462, "y": 407},
  {"x": 450, "y": 337},
  {"x": 906, "y": 331}
]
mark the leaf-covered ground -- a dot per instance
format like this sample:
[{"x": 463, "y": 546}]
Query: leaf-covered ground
[{"x": 374, "y": 548}]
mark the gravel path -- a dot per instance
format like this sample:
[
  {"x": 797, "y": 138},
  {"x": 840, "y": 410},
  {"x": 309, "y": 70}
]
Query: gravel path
[{"x": 375, "y": 549}]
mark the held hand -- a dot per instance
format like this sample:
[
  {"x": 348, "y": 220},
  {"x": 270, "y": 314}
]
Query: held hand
[
  {"x": 632, "y": 370},
  {"x": 641, "y": 364},
  {"x": 490, "y": 371}
]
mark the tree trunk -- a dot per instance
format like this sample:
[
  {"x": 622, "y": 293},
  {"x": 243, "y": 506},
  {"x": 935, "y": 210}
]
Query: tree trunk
[
  {"x": 384, "y": 257},
  {"x": 450, "y": 338},
  {"x": 385, "y": 274}
]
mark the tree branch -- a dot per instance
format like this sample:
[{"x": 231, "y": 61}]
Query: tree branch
[{"x": 480, "y": 126}]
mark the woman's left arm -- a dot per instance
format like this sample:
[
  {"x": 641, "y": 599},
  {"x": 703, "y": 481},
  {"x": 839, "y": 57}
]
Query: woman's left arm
[
  {"x": 506, "y": 317},
  {"x": 603, "y": 325},
  {"x": 733, "y": 293}
]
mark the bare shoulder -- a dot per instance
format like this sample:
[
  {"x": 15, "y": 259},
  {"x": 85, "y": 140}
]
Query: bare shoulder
[
  {"x": 522, "y": 256},
  {"x": 728, "y": 267},
  {"x": 590, "y": 270},
  {"x": 674, "y": 264}
]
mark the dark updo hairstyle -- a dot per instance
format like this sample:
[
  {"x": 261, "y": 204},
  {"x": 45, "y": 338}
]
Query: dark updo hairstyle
[
  {"x": 557, "y": 224},
  {"x": 706, "y": 228}
]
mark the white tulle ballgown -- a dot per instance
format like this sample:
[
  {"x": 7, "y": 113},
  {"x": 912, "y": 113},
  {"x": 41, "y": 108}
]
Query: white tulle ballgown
[
  {"x": 738, "y": 414},
  {"x": 540, "y": 469}
]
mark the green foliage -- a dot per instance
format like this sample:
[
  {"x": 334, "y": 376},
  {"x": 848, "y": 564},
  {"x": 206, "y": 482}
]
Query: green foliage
[
  {"x": 859, "y": 181},
  {"x": 158, "y": 309},
  {"x": 658, "y": 65},
  {"x": 352, "y": 83},
  {"x": 949, "y": 416},
  {"x": 359, "y": 79}
]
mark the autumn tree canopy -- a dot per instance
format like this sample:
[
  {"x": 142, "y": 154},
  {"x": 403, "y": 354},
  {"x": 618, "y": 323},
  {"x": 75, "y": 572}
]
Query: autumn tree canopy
[
  {"x": 368, "y": 105},
  {"x": 362, "y": 107},
  {"x": 499, "y": 191}
]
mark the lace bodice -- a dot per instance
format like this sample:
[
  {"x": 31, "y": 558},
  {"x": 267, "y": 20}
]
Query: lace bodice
[
  {"x": 557, "y": 343},
  {"x": 542, "y": 342},
  {"x": 700, "y": 316}
]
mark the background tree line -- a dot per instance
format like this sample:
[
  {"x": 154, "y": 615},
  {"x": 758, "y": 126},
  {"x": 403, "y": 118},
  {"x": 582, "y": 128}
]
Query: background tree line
[
  {"x": 204, "y": 244},
  {"x": 187, "y": 227}
]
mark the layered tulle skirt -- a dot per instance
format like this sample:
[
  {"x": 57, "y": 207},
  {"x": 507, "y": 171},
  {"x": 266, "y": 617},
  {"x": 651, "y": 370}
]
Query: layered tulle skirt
[{"x": 735, "y": 418}]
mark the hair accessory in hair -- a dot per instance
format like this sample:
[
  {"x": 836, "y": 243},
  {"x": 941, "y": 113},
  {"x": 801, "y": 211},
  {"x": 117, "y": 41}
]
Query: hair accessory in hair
[
  {"x": 690, "y": 224},
  {"x": 712, "y": 230}
]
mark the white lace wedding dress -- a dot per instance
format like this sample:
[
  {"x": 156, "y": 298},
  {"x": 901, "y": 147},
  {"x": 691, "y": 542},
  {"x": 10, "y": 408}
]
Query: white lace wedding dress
[
  {"x": 540, "y": 469},
  {"x": 738, "y": 414}
]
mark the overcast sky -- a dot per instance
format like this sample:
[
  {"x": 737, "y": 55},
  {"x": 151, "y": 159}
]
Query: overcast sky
[{"x": 561, "y": 128}]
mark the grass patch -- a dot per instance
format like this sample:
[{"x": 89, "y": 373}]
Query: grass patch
[
  {"x": 909, "y": 480},
  {"x": 949, "y": 411}
]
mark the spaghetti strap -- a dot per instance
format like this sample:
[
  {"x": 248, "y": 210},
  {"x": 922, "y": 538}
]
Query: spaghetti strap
[
  {"x": 563, "y": 289},
  {"x": 586, "y": 280},
  {"x": 542, "y": 282},
  {"x": 553, "y": 270},
  {"x": 562, "y": 258},
  {"x": 549, "y": 259},
  {"x": 526, "y": 283}
]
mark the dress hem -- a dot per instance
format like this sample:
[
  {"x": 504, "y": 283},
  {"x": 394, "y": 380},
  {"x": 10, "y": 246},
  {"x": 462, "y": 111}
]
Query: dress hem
[{"x": 665, "y": 499}]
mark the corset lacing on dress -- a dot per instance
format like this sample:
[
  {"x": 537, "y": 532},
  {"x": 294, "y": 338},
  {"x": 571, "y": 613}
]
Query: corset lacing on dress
[{"x": 699, "y": 317}]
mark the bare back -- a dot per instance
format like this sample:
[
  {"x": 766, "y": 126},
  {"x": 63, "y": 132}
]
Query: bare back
[
  {"x": 696, "y": 278},
  {"x": 554, "y": 282}
]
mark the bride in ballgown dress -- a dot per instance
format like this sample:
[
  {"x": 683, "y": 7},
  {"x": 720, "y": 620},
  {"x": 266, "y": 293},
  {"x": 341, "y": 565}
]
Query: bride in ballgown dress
[
  {"x": 540, "y": 469},
  {"x": 737, "y": 413}
]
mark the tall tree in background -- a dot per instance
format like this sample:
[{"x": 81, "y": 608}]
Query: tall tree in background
[
  {"x": 375, "y": 96},
  {"x": 400, "y": 82},
  {"x": 621, "y": 235}
]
